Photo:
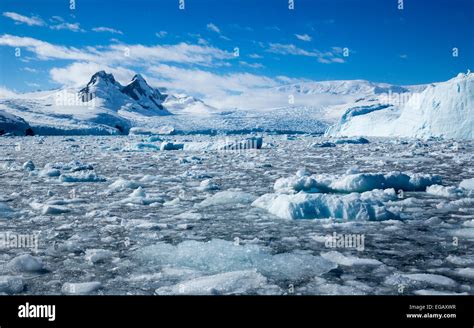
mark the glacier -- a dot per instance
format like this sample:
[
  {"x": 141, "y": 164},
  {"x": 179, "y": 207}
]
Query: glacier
[{"x": 444, "y": 109}]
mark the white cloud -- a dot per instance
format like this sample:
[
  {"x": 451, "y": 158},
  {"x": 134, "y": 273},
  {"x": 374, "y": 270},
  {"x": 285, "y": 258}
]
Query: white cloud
[
  {"x": 161, "y": 34},
  {"x": 30, "y": 70},
  {"x": 209, "y": 85},
  {"x": 45, "y": 50},
  {"x": 20, "y": 19},
  {"x": 123, "y": 54},
  {"x": 79, "y": 73},
  {"x": 251, "y": 65},
  {"x": 74, "y": 27},
  {"x": 327, "y": 57},
  {"x": 303, "y": 37},
  {"x": 212, "y": 27},
  {"x": 255, "y": 56},
  {"x": 106, "y": 29}
]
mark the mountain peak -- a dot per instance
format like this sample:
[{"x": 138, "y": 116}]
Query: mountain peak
[
  {"x": 102, "y": 75},
  {"x": 139, "y": 90},
  {"x": 138, "y": 77}
]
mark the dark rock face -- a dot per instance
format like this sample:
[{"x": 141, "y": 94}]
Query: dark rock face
[
  {"x": 14, "y": 125},
  {"x": 139, "y": 90},
  {"x": 104, "y": 85}
]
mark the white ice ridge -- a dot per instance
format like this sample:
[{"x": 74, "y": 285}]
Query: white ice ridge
[
  {"x": 358, "y": 182},
  {"x": 221, "y": 256},
  {"x": 364, "y": 206},
  {"x": 443, "y": 109}
]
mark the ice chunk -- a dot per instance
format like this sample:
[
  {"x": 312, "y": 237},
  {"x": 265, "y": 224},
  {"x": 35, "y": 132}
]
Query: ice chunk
[
  {"x": 348, "y": 260},
  {"x": 81, "y": 177},
  {"x": 324, "y": 144},
  {"x": 358, "y": 182},
  {"x": 146, "y": 146},
  {"x": 420, "y": 278},
  {"x": 11, "y": 284},
  {"x": 207, "y": 185},
  {"x": 122, "y": 184},
  {"x": 435, "y": 292},
  {"x": 5, "y": 211},
  {"x": 171, "y": 146},
  {"x": 461, "y": 260},
  {"x": 443, "y": 191},
  {"x": 467, "y": 184},
  {"x": 228, "y": 197},
  {"x": 219, "y": 256},
  {"x": 356, "y": 141},
  {"x": 465, "y": 272},
  {"x": 28, "y": 166},
  {"x": 53, "y": 210},
  {"x": 235, "y": 282},
  {"x": 94, "y": 256},
  {"x": 364, "y": 207},
  {"x": 26, "y": 263},
  {"x": 73, "y": 166},
  {"x": 81, "y": 288},
  {"x": 49, "y": 172},
  {"x": 139, "y": 197}
]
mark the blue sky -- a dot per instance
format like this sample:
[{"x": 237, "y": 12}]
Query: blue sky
[{"x": 194, "y": 49}]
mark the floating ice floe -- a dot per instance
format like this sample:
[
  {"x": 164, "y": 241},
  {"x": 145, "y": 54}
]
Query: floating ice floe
[
  {"x": 146, "y": 146},
  {"x": 139, "y": 197},
  {"x": 443, "y": 191},
  {"x": 122, "y": 184},
  {"x": 415, "y": 279},
  {"x": 25, "y": 263},
  {"x": 207, "y": 185},
  {"x": 81, "y": 288},
  {"x": 348, "y": 260},
  {"x": 81, "y": 177},
  {"x": 467, "y": 184},
  {"x": 28, "y": 166},
  {"x": 171, "y": 146},
  {"x": 220, "y": 256},
  {"x": 324, "y": 144},
  {"x": 11, "y": 284},
  {"x": 354, "y": 141},
  {"x": 228, "y": 197},
  {"x": 94, "y": 256},
  {"x": 364, "y": 207},
  {"x": 6, "y": 211},
  {"x": 359, "y": 182},
  {"x": 465, "y": 272},
  {"x": 424, "y": 292},
  {"x": 225, "y": 145},
  {"x": 49, "y": 172},
  {"x": 235, "y": 282},
  {"x": 73, "y": 166},
  {"x": 53, "y": 209}
]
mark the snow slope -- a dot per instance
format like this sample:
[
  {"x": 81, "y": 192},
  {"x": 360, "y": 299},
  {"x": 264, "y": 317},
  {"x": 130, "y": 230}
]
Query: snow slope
[
  {"x": 103, "y": 106},
  {"x": 341, "y": 108},
  {"x": 443, "y": 109},
  {"x": 13, "y": 124}
]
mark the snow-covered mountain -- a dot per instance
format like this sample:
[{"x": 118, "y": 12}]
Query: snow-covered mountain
[
  {"x": 359, "y": 88},
  {"x": 103, "y": 106},
  {"x": 184, "y": 104},
  {"x": 341, "y": 108},
  {"x": 444, "y": 109}
]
